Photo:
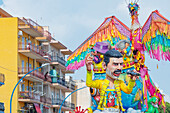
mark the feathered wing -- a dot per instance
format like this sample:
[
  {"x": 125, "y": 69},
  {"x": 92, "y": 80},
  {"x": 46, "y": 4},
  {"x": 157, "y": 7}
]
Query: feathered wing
[
  {"x": 156, "y": 36},
  {"x": 111, "y": 30}
]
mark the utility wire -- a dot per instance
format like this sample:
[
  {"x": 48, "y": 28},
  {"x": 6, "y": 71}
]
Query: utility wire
[{"x": 7, "y": 69}]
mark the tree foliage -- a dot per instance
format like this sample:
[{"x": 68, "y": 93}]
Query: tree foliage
[{"x": 167, "y": 110}]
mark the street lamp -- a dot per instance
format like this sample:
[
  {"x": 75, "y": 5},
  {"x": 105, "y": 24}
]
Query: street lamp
[{"x": 21, "y": 80}]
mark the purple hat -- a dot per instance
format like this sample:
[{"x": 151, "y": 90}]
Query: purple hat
[{"x": 101, "y": 47}]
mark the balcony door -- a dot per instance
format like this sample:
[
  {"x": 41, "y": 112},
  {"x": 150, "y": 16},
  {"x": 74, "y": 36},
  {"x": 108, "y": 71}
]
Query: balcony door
[
  {"x": 23, "y": 43},
  {"x": 22, "y": 66}
]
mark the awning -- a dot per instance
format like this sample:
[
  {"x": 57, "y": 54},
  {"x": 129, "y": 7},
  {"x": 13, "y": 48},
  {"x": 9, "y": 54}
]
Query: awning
[{"x": 37, "y": 107}]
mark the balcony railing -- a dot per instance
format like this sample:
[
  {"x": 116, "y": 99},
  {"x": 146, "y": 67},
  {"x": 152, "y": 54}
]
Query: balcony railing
[
  {"x": 66, "y": 103},
  {"x": 48, "y": 35},
  {"x": 34, "y": 48},
  {"x": 32, "y": 24},
  {"x": 25, "y": 70},
  {"x": 47, "y": 56},
  {"x": 56, "y": 101},
  {"x": 58, "y": 59},
  {"x": 46, "y": 100},
  {"x": 72, "y": 106},
  {"x": 29, "y": 95},
  {"x": 58, "y": 80},
  {"x": 62, "y": 81},
  {"x": 48, "y": 78}
]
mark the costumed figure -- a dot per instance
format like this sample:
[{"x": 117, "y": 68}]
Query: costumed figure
[
  {"x": 111, "y": 85},
  {"x": 99, "y": 71}
]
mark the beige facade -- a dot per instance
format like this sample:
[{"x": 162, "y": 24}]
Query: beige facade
[{"x": 83, "y": 95}]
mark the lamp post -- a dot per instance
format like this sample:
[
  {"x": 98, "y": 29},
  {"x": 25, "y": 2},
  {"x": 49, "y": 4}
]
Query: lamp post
[{"x": 21, "y": 80}]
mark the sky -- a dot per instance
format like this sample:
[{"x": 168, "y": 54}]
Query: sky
[{"x": 73, "y": 21}]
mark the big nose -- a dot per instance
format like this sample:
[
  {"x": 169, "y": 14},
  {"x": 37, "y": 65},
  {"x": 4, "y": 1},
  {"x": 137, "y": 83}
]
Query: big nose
[{"x": 118, "y": 67}]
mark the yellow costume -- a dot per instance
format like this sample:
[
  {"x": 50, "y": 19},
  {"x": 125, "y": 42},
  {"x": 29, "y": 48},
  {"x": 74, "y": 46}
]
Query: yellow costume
[{"x": 102, "y": 85}]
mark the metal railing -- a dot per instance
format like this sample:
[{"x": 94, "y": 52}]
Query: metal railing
[
  {"x": 65, "y": 104},
  {"x": 48, "y": 35},
  {"x": 46, "y": 100},
  {"x": 47, "y": 56},
  {"x": 32, "y": 24},
  {"x": 29, "y": 95},
  {"x": 37, "y": 49},
  {"x": 62, "y": 81},
  {"x": 58, "y": 59},
  {"x": 58, "y": 80},
  {"x": 25, "y": 70},
  {"x": 56, "y": 101},
  {"x": 72, "y": 106},
  {"x": 48, "y": 78}
]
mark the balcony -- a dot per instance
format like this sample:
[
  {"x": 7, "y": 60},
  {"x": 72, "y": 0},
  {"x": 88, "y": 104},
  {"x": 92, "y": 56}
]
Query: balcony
[
  {"x": 66, "y": 51},
  {"x": 60, "y": 83},
  {"x": 46, "y": 100},
  {"x": 47, "y": 79},
  {"x": 35, "y": 76},
  {"x": 58, "y": 45},
  {"x": 31, "y": 27},
  {"x": 2, "y": 79},
  {"x": 56, "y": 60},
  {"x": 34, "y": 52},
  {"x": 67, "y": 71},
  {"x": 30, "y": 97},
  {"x": 46, "y": 37},
  {"x": 67, "y": 106}
]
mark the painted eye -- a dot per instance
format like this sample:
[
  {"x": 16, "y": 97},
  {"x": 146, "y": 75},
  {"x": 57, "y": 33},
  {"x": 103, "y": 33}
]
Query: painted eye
[
  {"x": 121, "y": 64},
  {"x": 115, "y": 64}
]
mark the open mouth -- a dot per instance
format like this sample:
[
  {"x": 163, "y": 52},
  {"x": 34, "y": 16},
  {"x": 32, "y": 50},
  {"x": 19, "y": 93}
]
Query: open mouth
[{"x": 117, "y": 72}]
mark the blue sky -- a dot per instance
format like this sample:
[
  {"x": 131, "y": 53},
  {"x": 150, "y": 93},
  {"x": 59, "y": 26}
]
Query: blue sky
[{"x": 72, "y": 21}]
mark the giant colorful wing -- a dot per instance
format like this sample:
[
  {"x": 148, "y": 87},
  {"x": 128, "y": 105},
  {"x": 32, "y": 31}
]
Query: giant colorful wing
[
  {"x": 111, "y": 30},
  {"x": 156, "y": 36}
]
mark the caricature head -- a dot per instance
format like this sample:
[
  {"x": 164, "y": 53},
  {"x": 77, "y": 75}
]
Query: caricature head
[
  {"x": 114, "y": 63},
  {"x": 122, "y": 45}
]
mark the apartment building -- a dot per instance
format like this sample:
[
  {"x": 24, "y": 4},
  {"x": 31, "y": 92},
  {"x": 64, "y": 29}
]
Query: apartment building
[
  {"x": 24, "y": 46},
  {"x": 83, "y": 96}
]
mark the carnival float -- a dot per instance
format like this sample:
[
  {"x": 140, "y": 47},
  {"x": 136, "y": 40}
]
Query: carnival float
[{"x": 152, "y": 39}]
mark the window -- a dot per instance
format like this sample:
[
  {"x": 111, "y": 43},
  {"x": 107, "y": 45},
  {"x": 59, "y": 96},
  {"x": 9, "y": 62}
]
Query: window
[
  {"x": 57, "y": 95},
  {"x": 30, "y": 88},
  {"x": 27, "y": 88},
  {"x": 27, "y": 66},
  {"x": 30, "y": 66},
  {"x": 23, "y": 87},
  {"x": 22, "y": 65},
  {"x": 23, "y": 43}
]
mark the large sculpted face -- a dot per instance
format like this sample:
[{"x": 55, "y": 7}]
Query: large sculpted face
[{"x": 114, "y": 67}]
